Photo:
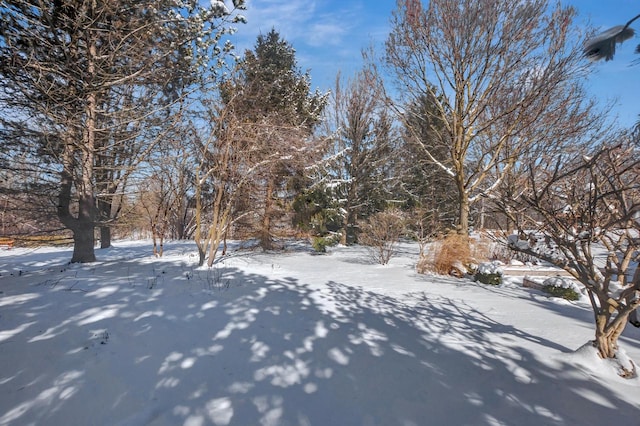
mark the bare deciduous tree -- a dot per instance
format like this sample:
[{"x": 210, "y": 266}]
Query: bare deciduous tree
[
  {"x": 582, "y": 213},
  {"x": 157, "y": 201},
  {"x": 271, "y": 98},
  {"x": 229, "y": 166},
  {"x": 505, "y": 77}
]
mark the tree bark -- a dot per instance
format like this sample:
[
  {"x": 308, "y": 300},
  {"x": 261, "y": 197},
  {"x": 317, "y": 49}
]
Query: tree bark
[
  {"x": 348, "y": 236},
  {"x": 464, "y": 207},
  {"x": 105, "y": 237},
  {"x": 83, "y": 243},
  {"x": 83, "y": 232},
  {"x": 83, "y": 235},
  {"x": 104, "y": 213},
  {"x": 219, "y": 225},
  {"x": 198, "y": 219},
  {"x": 265, "y": 231},
  {"x": 607, "y": 334},
  {"x": 82, "y": 226}
]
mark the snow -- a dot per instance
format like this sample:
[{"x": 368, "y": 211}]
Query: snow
[
  {"x": 292, "y": 338},
  {"x": 219, "y": 7},
  {"x": 562, "y": 282},
  {"x": 491, "y": 268}
]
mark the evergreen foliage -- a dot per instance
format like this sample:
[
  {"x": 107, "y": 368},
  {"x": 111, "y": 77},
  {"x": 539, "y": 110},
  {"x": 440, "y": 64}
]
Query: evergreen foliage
[
  {"x": 424, "y": 183},
  {"x": 270, "y": 98},
  {"x": 564, "y": 292},
  {"x": 88, "y": 87}
]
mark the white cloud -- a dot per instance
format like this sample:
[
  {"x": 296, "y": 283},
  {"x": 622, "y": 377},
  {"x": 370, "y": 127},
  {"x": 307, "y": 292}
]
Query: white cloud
[
  {"x": 300, "y": 21},
  {"x": 326, "y": 33},
  {"x": 284, "y": 16}
]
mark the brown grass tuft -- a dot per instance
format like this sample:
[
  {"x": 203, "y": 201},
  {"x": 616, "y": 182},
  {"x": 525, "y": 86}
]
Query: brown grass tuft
[{"x": 454, "y": 250}]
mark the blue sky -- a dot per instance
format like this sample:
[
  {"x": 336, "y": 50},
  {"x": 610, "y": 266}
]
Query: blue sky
[{"x": 329, "y": 35}]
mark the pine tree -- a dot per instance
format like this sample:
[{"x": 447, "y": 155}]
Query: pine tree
[
  {"x": 273, "y": 98},
  {"x": 83, "y": 84},
  {"x": 425, "y": 184}
]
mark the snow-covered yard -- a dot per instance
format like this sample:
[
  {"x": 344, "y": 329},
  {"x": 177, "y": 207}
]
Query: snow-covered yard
[{"x": 291, "y": 339}]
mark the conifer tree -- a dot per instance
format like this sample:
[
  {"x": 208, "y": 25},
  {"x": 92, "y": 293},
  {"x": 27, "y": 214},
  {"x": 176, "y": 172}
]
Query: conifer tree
[
  {"x": 85, "y": 82},
  {"x": 362, "y": 136},
  {"x": 271, "y": 96}
]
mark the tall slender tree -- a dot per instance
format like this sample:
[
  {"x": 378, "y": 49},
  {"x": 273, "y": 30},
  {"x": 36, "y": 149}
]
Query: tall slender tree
[
  {"x": 426, "y": 187},
  {"x": 361, "y": 134}
]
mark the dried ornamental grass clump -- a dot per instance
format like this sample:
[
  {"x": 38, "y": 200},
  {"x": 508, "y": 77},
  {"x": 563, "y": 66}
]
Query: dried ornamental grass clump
[{"x": 452, "y": 254}]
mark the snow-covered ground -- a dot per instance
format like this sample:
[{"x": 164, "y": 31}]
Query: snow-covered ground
[{"x": 291, "y": 338}]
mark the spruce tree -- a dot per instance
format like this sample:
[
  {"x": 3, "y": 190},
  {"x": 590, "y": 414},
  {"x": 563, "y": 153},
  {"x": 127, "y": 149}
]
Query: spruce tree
[{"x": 273, "y": 97}]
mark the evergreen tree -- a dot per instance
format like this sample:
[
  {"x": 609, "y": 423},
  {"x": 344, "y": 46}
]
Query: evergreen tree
[
  {"x": 270, "y": 95},
  {"x": 425, "y": 185},
  {"x": 362, "y": 137},
  {"x": 84, "y": 83}
]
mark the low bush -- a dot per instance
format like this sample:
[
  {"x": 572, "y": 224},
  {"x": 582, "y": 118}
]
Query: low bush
[
  {"x": 381, "y": 234},
  {"x": 320, "y": 243},
  {"x": 560, "y": 287},
  {"x": 489, "y": 273},
  {"x": 492, "y": 279},
  {"x": 565, "y": 293}
]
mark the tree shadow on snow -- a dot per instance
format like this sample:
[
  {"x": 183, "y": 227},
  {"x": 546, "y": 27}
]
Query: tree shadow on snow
[
  {"x": 230, "y": 348},
  {"x": 580, "y": 312}
]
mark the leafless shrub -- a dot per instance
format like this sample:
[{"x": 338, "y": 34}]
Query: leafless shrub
[{"x": 381, "y": 234}]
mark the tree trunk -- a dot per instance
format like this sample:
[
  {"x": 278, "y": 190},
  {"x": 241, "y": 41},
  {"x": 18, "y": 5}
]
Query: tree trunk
[
  {"x": 202, "y": 246},
  {"x": 154, "y": 240},
  {"x": 104, "y": 207},
  {"x": 607, "y": 334},
  {"x": 463, "y": 213},
  {"x": 220, "y": 219},
  {"x": 83, "y": 243},
  {"x": 347, "y": 237},
  {"x": 105, "y": 236},
  {"x": 345, "y": 225},
  {"x": 265, "y": 231},
  {"x": 216, "y": 234},
  {"x": 82, "y": 226},
  {"x": 202, "y": 254},
  {"x": 224, "y": 242}
]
